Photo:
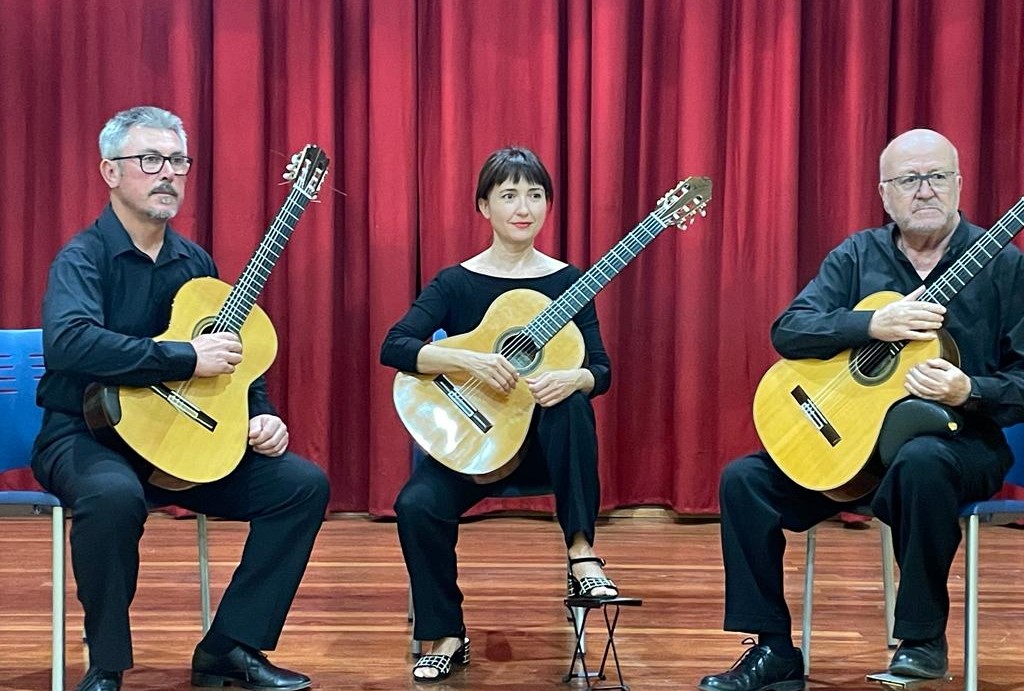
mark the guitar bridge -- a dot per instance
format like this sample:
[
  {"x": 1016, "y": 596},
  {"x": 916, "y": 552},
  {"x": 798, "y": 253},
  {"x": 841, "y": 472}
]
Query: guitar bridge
[
  {"x": 184, "y": 406},
  {"x": 462, "y": 403},
  {"x": 814, "y": 414}
]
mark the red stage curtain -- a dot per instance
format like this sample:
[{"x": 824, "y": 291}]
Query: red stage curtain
[{"x": 786, "y": 105}]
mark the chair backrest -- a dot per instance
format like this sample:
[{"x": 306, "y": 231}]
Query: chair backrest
[
  {"x": 21, "y": 366},
  {"x": 1015, "y": 437}
]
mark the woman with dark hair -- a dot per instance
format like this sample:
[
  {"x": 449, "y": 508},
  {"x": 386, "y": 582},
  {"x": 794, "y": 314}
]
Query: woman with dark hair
[{"x": 514, "y": 193}]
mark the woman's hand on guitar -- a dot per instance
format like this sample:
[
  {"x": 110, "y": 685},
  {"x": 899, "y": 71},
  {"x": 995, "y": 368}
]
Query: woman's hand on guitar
[
  {"x": 555, "y": 386},
  {"x": 268, "y": 435},
  {"x": 492, "y": 369},
  {"x": 217, "y": 353},
  {"x": 907, "y": 320},
  {"x": 938, "y": 380}
]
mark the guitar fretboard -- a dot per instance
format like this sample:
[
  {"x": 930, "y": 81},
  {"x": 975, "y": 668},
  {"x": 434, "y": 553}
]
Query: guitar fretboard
[
  {"x": 250, "y": 284},
  {"x": 552, "y": 318},
  {"x": 985, "y": 248}
]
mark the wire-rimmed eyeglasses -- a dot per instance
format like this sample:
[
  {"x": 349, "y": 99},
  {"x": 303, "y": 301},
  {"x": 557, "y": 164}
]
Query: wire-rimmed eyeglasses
[{"x": 939, "y": 181}]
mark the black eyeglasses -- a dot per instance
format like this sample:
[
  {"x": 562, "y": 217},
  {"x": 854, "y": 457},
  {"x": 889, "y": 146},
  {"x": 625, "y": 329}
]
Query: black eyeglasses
[
  {"x": 152, "y": 164},
  {"x": 939, "y": 181}
]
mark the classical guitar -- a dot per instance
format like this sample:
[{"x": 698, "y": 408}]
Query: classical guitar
[
  {"x": 820, "y": 419},
  {"x": 196, "y": 431},
  {"x": 475, "y": 430}
]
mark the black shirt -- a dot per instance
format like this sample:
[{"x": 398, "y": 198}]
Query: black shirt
[
  {"x": 105, "y": 300},
  {"x": 986, "y": 318},
  {"x": 456, "y": 301}
]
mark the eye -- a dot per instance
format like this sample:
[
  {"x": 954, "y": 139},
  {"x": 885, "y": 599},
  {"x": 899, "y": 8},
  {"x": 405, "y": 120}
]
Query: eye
[
  {"x": 177, "y": 161},
  {"x": 151, "y": 160},
  {"x": 907, "y": 181}
]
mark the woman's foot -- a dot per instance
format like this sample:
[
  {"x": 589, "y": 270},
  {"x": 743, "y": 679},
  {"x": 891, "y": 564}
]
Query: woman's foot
[{"x": 444, "y": 654}]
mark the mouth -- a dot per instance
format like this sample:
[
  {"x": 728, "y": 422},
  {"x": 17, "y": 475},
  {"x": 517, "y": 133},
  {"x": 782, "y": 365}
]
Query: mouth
[{"x": 523, "y": 224}]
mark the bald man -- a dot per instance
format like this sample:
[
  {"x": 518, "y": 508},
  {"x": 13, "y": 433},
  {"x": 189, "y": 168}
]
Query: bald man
[{"x": 930, "y": 476}]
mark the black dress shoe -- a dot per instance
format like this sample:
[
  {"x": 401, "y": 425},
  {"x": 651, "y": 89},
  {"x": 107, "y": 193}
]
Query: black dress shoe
[
  {"x": 760, "y": 669},
  {"x": 97, "y": 679},
  {"x": 926, "y": 659},
  {"x": 246, "y": 669}
]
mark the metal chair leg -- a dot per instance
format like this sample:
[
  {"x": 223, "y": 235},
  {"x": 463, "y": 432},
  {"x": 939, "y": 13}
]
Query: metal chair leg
[
  {"x": 971, "y": 605},
  {"x": 805, "y": 631},
  {"x": 889, "y": 584},
  {"x": 204, "y": 572},
  {"x": 58, "y": 587}
]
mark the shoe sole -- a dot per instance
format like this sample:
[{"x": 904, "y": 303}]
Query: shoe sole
[
  {"x": 791, "y": 685},
  {"x": 217, "y": 681}
]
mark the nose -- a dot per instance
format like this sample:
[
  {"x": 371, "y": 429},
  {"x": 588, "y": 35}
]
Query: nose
[{"x": 920, "y": 188}]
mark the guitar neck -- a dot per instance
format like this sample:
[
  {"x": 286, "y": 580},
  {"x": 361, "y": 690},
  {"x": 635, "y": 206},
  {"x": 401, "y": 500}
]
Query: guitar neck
[
  {"x": 556, "y": 315},
  {"x": 250, "y": 284},
  {"x": 976, "y": 257}
]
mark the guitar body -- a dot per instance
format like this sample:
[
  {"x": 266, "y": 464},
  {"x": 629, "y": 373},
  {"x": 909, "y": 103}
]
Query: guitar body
[
  {"x": 835, "y": 453},
  {"x": 450, "y": 435},
  {"x": 153, "y": 428}
]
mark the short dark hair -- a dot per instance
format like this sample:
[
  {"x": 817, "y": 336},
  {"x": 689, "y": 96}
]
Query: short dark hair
[{"x": 512, "y": 163}]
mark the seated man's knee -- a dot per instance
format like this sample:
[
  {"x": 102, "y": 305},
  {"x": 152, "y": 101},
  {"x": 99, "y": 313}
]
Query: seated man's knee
[{"x": 117, "y": 500}]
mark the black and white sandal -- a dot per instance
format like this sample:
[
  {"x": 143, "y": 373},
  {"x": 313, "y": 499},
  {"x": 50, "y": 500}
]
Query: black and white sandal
[
  {"x": 585, "y": 587},
  {"x": 442, "y": 663}
]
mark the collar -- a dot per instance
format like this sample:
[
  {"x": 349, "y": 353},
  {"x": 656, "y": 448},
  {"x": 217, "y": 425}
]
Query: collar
[{"x": 120, "y": 242}]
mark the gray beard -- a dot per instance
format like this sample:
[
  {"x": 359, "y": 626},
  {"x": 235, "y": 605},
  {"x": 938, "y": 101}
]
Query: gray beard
[{"x": 160, "y": 214}]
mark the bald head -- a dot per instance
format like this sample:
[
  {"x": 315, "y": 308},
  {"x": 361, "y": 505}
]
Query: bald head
[
  {"x": 919, "y": 181},
  {"x": 913, "y": 145}
]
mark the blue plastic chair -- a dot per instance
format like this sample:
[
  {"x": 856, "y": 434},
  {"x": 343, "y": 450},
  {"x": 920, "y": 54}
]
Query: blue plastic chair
[
  {"x": 997, "y": 511},
  {"x": 993, "y": 511},
  {"x": 21, "y": 366}
]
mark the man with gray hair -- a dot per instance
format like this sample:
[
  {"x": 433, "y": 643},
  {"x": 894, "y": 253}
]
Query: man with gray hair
[
  {"x": 109, "y": 293},
  {"x": 931, "y": 476}
]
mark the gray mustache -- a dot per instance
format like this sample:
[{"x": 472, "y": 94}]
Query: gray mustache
[{"x": 164, "y": 189}]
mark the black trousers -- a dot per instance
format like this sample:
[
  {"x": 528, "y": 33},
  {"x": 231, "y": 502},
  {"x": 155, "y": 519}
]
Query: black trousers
[
  {"x": 283, "y": 499},
  {"x": 562, "y": 449},
  {"x": 919, "y": 497}
]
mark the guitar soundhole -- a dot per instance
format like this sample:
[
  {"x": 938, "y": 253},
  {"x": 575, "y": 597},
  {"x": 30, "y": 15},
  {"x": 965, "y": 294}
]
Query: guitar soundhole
[
  {"x": 520, "y": 350},
  {"x": 206, "y": 326},
  {"x": 872, "y": 364}
]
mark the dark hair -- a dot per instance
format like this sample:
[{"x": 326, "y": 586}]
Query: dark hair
[{"x": 512, "y": 163}]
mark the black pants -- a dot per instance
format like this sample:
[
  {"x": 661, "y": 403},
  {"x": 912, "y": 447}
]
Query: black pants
[
  {"x": 562, "y": 449},
  {"x": 919, "y": 497},
  {"x": 283, "y": 499}
]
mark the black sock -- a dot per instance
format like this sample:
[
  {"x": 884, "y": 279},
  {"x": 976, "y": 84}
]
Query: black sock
[
  {"x": 217, "y": 644},
  {"x": 780, "y": 643}
]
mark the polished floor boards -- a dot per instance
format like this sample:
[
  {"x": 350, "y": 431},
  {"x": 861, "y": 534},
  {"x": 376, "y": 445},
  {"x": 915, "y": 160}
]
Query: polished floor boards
[{"x": 348, "y": 627}]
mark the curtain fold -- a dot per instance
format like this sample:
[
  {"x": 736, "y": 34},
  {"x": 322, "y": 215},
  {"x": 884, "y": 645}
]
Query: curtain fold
[{"x": 786, "y": 105}]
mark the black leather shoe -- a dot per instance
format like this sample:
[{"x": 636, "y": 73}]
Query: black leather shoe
[
  {"x": 926, "y": 659},
  {"x": 97, "y": 679},
  {"x": 759, "y": 669},
  {"x": 246, "y": 669}
]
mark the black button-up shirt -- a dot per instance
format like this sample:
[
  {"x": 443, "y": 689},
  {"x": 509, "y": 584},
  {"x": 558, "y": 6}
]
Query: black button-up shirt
[
  {"x": 105, "y": 300},
  {"x": 986, "y": 318}
]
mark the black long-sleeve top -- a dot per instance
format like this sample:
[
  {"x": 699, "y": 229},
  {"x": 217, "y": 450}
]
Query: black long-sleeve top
[
  {"x": 456, "y": 301},
  {"x": 105, "y": 299},
  {"x": 986, "y": 318}
]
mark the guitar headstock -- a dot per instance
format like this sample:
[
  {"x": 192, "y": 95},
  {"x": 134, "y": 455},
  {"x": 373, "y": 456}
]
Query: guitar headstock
[
  {"x": 682, "y": 202},
  {"x": 307, "y": 170}
]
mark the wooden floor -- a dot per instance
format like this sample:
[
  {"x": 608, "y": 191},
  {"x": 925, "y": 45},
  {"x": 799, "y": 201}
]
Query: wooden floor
[{"x": 348, "y": 628}]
